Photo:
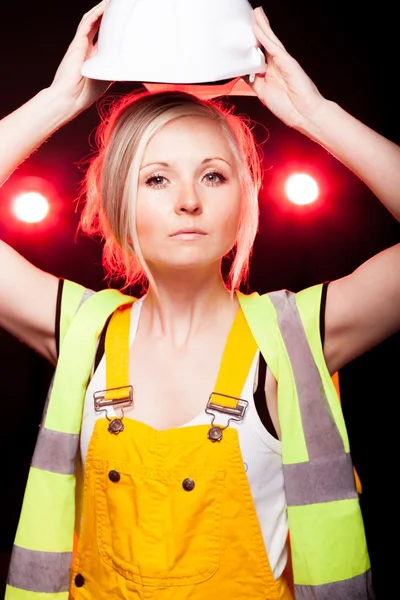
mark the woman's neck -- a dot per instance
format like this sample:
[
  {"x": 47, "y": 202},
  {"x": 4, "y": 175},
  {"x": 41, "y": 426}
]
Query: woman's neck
[{"x": 184, "y": 305}]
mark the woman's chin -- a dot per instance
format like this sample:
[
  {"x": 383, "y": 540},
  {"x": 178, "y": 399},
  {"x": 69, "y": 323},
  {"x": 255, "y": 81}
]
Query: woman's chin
[{"x": 185, "y": 264}]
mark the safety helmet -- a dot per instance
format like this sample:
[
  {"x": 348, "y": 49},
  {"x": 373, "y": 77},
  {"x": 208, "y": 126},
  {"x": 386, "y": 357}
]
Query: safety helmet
[{"x": 190, "y": 45}]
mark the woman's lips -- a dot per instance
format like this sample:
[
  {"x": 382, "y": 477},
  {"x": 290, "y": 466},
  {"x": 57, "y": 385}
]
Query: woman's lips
[{"x": 188, "y": 233}]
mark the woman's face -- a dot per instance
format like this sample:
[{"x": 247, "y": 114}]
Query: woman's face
[{"x": 189, "y": 196}]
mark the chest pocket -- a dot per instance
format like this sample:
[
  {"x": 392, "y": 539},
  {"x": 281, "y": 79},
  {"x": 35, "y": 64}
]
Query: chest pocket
[{"x": 157, "y": 525}]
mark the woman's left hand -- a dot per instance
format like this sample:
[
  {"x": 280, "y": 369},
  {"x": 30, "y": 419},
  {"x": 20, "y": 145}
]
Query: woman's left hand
[{"x": 284, "y": 88}]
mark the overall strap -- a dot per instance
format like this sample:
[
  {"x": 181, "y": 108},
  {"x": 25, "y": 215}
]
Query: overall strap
[
  {"x": 237, "y": 358},
  {"x": 117, "y": 344}
]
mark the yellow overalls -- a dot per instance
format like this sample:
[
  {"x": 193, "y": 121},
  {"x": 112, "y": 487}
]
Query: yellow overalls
[{"x": 169, "y": 515}]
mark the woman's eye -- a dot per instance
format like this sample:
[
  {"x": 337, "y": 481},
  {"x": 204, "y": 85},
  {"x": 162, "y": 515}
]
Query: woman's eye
[
  {"x": 159, "y": 181},
  {"x": 156, "y": 181},
  {"x": 215, "y": 178}
]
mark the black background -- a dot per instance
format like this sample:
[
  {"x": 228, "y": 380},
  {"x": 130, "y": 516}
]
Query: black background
[{"x": 350, "y": 51}]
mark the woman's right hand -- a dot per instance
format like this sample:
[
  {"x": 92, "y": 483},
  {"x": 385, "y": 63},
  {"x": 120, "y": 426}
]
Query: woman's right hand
[{"x": 77, "y": 92}]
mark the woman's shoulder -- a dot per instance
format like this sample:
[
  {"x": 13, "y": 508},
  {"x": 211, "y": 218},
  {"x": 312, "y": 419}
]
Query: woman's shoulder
[{"x": 73, "y": 296}]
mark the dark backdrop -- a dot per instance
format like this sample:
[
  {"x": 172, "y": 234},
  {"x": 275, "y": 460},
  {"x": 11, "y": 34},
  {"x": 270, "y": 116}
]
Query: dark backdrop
[{"x": 350, "y": 51}]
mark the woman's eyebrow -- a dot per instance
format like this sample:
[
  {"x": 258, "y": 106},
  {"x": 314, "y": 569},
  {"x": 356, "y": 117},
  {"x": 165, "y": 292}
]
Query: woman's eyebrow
[{"x": 203, "y": 162}]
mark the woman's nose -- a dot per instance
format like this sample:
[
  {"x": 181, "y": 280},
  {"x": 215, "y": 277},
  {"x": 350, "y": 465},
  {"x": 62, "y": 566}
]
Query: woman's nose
[{"x": 189, "y": 201}]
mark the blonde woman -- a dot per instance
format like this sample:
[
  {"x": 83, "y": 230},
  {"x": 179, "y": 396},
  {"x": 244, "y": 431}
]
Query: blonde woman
[{"x": 193, "y": 473}]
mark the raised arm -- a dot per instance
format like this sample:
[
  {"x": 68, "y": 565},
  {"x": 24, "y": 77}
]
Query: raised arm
[
  {"x": 363, "y": 308},
  {"x": 27, "y": 294}
]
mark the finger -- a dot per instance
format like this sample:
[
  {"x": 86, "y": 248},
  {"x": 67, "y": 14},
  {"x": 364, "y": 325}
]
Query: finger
[
  {"x": 271, "y": 47},
  {"x": 94, "y": 29},
  {"x": 258, "y": 84},
  {"x": 90, "y": 19},
  {"x": 92, "y": 50},
  {"x": 99, "y": 6},
  {"x": 88, "y": 28},
  {"x": 262, "y": 21}
]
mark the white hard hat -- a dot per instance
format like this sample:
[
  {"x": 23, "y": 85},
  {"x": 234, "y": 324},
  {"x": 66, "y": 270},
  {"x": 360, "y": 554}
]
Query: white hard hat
[{"x": 178, "y": 44}]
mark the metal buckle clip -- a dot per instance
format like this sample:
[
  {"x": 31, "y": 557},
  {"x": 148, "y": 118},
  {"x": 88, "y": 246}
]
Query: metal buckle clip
[
  {"x": 236, "y": 414},
  {"x": 237, "y": 411},
  {"x": 101, "y": 402}
]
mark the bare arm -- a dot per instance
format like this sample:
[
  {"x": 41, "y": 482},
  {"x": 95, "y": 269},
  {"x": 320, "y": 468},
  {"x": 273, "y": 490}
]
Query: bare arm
[
  {"x": 370, "y": 156},
  {"x": 25, "y": 129},
  {"x": 364, "y": 308},
  {"x": 27, "y": 294},
  {"x": 28, "y": 302},
  {"x": 290, "y": 94}
]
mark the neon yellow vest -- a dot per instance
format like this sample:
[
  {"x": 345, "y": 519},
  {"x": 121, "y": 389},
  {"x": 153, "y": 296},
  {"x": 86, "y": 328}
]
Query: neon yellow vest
[{"x": 329, "y": 552}]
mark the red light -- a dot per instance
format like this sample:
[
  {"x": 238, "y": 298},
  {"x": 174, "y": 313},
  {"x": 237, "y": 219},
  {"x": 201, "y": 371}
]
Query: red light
[
  {"x": 301, "y": 189},
  {"x": 31, "y": 207}
]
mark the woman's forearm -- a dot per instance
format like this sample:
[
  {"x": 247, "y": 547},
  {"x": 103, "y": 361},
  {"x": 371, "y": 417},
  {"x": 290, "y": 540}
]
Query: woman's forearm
[
  {"x": 371, "y": 157},
  {"x": 25, "y": 129}
]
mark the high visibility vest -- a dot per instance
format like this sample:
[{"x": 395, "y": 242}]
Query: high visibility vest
[{"x": 328, "y": 545}]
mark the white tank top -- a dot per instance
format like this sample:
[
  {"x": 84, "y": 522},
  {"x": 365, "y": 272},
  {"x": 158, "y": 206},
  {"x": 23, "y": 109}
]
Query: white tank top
[{"x": 261, "y": 453}]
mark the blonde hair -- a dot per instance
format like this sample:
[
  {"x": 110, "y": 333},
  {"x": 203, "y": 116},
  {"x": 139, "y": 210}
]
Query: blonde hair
[{"x": 110, "y": 184}]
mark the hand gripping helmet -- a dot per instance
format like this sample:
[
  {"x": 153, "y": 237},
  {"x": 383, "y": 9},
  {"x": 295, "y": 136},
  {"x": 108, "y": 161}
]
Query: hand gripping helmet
[{"x": 200, "y": 46}]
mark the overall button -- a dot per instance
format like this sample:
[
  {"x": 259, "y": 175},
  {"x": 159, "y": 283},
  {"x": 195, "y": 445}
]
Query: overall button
[
  {"x": 215, "y": 434},
  {"x": 116, "y": 426},
  {"x": 114, "y": 476},
  {"x": 79, "y": 580},
  {"x": 188, "y": 484}
]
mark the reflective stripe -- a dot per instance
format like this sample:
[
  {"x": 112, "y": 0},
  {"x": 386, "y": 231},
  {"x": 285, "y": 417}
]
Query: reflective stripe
[
  {"x": 327, "y": 536},
  {"x": 85, "y": 297},
  {"x": 46, "y": 572},
  {"x": 356, "y": 588},
  {"x": 48, "y": 511},
  {"x": 71, "y": 296},
  {"x": 322, "y": 437},
  {"x": 55, "y": 451},
  {"x": 323, "y": 481}
]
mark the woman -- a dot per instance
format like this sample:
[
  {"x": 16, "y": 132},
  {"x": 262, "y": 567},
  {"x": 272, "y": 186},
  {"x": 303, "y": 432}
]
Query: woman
[{"x": 168, "y": 510}]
